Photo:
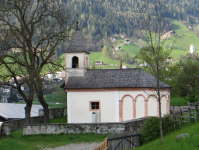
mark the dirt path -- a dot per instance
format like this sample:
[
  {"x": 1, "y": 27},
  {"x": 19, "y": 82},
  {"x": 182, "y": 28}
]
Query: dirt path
[{"x": 81, "y": 146}]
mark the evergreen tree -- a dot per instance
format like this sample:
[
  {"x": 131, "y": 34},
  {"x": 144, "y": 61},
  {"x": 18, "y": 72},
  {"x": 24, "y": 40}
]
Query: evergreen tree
[{"x": 13, "y": 97}]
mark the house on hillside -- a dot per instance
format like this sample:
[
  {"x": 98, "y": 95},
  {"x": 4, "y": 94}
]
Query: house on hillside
[
  {"x": 169, "y": 59},
  {"x": 171, "y": 33},
  {"x": 143, "y": 64},
  {"x": 6, "y": 90},
  {"x": 122, "y": 43},
  {"x": 60, "y": 74},
  {"x": 113, "y": 40},
  {"x": 49, "y": 75},
  {"x": 4, "y": 98},
  {"x": 118, "y": 48},
  {"x": 99, "y": 63},
  {"x": 124, "y": 67},
  {"x": 108, "y": 95},
  {"x": 127, "y": 41}
]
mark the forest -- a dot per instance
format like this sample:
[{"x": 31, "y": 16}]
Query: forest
[{"x": 100, "y": 19}]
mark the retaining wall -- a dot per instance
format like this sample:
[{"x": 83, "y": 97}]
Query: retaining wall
[{"x": 77, "y": 128}]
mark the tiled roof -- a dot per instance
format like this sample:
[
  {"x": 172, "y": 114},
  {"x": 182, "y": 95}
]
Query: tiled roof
[
  {"x": 114, "y": 78},
  {"x": 77, "y": 44}
]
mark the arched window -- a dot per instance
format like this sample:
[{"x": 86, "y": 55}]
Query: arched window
[{"x": 75, "y": 63}]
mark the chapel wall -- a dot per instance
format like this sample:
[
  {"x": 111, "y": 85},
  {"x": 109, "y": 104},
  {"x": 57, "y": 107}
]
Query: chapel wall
[
  {"x": 79, "y": 109},
  {"x": 144, "y": 103}
]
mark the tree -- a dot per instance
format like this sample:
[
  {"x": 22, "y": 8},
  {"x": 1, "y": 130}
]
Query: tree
[
  {"x": 13, "y": 98},
  {"x": 106, "y": 51},
  {"x": 32, "y": 30},
  {"x": 152, "y": 24},
  {"x": 185, "y": 82}
]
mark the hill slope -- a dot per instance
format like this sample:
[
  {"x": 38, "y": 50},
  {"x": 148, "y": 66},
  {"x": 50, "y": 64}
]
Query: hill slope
[{"x": 170, "y": 142}]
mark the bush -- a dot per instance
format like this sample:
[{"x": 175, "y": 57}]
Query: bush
[{"x": 151, "y": 128}]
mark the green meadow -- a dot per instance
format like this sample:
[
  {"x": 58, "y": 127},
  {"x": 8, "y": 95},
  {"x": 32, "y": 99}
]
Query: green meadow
[
  {"x": 185, "y": 38},
  {"x": 171, "y": 143},
  {"x": 97, "y": 56}
]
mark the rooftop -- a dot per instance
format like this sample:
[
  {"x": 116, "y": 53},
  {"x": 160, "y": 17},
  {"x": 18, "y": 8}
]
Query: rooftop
[
  {"x": 113, "y": 78},
  {"x": 16, "y": 111},
  {"x": 77, "y": 44}
]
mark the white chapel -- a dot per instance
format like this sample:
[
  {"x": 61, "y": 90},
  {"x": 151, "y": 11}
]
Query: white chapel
[{"x": 108, "y": 95}]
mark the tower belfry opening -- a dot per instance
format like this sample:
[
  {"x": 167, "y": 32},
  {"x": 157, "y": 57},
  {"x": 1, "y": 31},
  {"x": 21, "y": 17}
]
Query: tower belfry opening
[{"x": 75, "y": 63}]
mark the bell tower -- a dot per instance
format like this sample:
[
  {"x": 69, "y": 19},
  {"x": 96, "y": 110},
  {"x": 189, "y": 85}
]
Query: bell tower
[{"x": 76, "y": 56}]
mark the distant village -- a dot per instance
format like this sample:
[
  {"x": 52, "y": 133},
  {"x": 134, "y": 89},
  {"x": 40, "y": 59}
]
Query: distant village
[{"x": 5, "y": 91}]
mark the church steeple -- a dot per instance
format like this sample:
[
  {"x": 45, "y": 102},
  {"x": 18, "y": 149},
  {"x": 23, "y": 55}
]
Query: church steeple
[
  {"x": 77, "y": 22},
  {"x": 76, "y": 56},
  {"x": 77, "y": 43}
]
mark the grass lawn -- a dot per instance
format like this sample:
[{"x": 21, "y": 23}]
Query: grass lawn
[
  {"x": 16, "y": 141},
  {"x": 178, "y": 101},
  {"x": 59, "y": 120}
]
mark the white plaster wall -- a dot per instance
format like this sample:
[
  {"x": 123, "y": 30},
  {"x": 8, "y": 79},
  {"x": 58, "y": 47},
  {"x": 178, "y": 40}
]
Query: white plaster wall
[
  {"x": 127, "y": 108},
  {"x": 80, "y": 106},
  {"x": 152, "y": 106},
  {"x": 163, "y": 105},
  {"x": 140, "y": 110}
]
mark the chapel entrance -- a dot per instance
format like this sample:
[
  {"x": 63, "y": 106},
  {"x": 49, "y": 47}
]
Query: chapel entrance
[{"x": 127, "y": 108}]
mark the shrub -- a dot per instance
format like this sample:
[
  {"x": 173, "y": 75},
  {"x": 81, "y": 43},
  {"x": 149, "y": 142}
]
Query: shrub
[{"x": 151, "y": 128}]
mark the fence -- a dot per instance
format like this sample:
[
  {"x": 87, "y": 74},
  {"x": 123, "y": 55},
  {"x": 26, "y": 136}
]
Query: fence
[
  {"x": 189, "y": 112},
  {"x": 123, "y": 140},
  {"x": 103, "y": 145}
]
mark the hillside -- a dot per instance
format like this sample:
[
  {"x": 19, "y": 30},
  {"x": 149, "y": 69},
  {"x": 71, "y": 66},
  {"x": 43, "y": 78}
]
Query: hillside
[
  {"x": 99, "y": 20},
  {"x": 170, "y": 142},
  {"x": 181, "y": 45}
]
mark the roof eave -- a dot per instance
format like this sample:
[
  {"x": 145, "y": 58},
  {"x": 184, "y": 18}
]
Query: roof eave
[{"x": 77, "y": 52}]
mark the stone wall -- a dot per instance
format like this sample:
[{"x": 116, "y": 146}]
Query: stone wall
[
  {"x": 77, "y": 128},
  {"x": 55, "y": 112},
  {"x": 17, "y": 124}
]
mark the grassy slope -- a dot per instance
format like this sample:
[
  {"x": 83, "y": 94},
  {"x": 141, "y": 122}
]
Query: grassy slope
[
  {"x": 97, "y": 56},
  {"x": 178, "y": 101},
  {"x": 170, "y": 142},
  {"x": 183, "y": 41},
  {"x": 130, "y": 48}
]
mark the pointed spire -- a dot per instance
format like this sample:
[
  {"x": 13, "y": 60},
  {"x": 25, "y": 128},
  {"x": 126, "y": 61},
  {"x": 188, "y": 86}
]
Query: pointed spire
[
  {"x": 77, "y": 22},
  {"x": 121, "y": 64}
]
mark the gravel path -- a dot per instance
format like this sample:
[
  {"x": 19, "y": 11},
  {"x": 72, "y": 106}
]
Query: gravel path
[{"x": 81, "y": 146}]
